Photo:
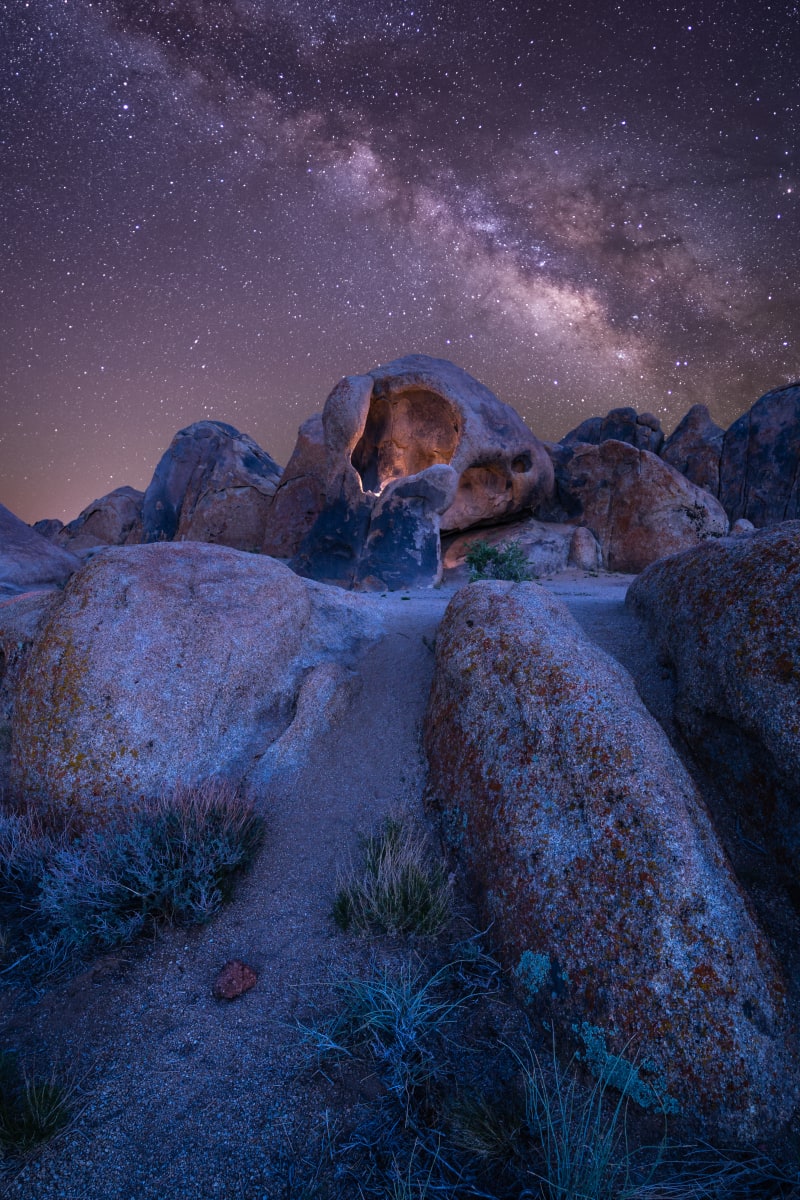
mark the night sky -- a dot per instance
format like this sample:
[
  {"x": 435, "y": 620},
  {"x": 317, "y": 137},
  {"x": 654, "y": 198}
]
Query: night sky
[{"x": 218, "y": 209}]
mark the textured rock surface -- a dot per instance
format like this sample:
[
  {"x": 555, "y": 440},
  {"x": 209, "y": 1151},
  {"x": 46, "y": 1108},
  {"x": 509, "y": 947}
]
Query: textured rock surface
[
  {"x": 546, "y": 544},
  {"x": 695, "y": 447},
  {"x": 169, "y": 664},
  {"x": 642, "y": 430},
  {"x": 401, "y": 421},
  {"x": 726, "y": 618},
  {"x": 113, "y": 520},
  {"x": 213, "y": 484},
  {"x": 28, "y": 560},
  {"x": 234, "y": 980},
  {"x": 48, "y": 527},
  {"x": 637, "y": 506},
  {"x": 584, "y": 550},
  {"x": 300, "y": 495},
  {"x": 21, "y": 617},
  {"x": 586, "y": 842},
  {"x": 760, "y": 466}
]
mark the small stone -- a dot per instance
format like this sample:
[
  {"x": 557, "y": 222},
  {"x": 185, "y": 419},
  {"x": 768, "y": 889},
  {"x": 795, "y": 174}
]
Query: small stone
[{"x": 234, "y": 980}]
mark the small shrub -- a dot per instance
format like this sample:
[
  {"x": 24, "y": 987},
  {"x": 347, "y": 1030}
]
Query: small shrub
[
  {"x": 497, "y": 562},
  {"x": 400, "y": 889},
  {"x": 398, "y": 1020},
  {"x": 174, "y": 863},
  {"x": 170, "y": 860},
  {"x": 579, "y": 1140},
  {"x": 32, "y": 1109}
]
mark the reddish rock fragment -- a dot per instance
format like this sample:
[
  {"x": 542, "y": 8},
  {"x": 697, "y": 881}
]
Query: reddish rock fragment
[{"x": 234, "y": 980}]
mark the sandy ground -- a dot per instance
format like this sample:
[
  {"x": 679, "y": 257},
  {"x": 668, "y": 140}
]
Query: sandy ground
[{"x": 190, "y": 1097}]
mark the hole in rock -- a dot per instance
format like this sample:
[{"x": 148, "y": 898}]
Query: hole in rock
[
  {"x": 522, "y": 463},
  {"x": 405, "y": 432},
  {"x": 482, "y": 496}
]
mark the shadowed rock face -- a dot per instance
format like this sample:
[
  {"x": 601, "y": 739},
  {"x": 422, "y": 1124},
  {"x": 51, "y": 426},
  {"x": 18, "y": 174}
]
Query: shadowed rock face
[
  {"x": 759, "y": 474},
  {"x": 642, "y": 430},
  {"x": 418, "y": 447},
  {"x": 586, "y": 844},
  {"x": 300, "y": 495},
  {"x": 637, "y": 506},
  {"x": 28, "y": 560},
  {"x": 213, "y": 484},
  {"x": 113, "y": 520},
  {"x": 173, "y": 663},
  {"x": 695, "y": 449},
  {"x": 726, "y": 618}
]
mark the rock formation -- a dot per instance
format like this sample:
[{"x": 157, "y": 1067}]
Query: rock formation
[
  {"x": 642, "y": 430},
  {"x": 213, "y": 484},
  {"x": 638, "y": 508},
  {"x": 588, "y": 847},
  {"x": 172, "y": 663},
  {"x": 695, "y": 448},
  {"x": 417, "y": 445},
  {"x": 300, "y": 495},
  {"x": 113, "y": 520},
  {"x": 759, "y": 475},
  {"x": 546, "y": 544},
  {"x": 726, "y": 618},
  {"x": 28, "y": 560}
]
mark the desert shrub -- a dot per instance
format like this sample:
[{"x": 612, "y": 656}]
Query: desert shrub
[
  {"x": 32, "y": 1108},
  {"x": 174, "y": 862},
  {"x": 170, "y": 860},
  {"x": 399, "y": 889},
  {"x": 497, "y": 562}
]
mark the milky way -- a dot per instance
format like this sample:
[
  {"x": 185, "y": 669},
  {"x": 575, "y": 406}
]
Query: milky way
[{"x": 217, "y": 209}]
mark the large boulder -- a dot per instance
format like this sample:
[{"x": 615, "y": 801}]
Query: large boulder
[
  {"x": 695, "y": 448},
  {"x": 113, "y": 520},
  {"x": 642, "y": 430},
  {"x": 213, "y": 484},
  {"x": 300, "y": 495},
  {"x": 392, "y": 426},
  {"x": 637, "y": 506},
  {"x": 592, "y": 856},
  {"x": 28, "y": 560},
  {"x": 759, "y": 474},
  {"x": 21, "y": 617},
  {"x": 726, "y": 618},
  {"x": 170, "y": 663}
]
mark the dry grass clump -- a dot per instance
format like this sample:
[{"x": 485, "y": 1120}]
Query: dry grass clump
[
  {"x": 32, "y": 1108},
  {"x": 171, "y": 860},
  {"x": 400, "y": 889}
]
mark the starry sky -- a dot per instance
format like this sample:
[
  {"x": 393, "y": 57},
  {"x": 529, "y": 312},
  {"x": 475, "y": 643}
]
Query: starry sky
[{"x": 216, "y": 210}]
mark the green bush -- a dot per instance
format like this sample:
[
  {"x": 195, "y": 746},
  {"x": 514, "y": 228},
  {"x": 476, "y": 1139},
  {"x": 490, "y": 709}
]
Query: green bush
[
  {"x": 400, "y": 889},
  {"x": 497, "y": 562}
]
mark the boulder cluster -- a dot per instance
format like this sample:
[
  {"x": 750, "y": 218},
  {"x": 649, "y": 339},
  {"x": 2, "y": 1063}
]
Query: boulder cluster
[
  {"x": 384, "y": 485},
  {"x": 157, "y": 641}
]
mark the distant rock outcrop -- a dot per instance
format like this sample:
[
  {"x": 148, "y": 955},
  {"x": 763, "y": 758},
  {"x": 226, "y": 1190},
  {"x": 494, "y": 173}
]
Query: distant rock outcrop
[
  {"x": 591, "y": 854},
  {"x": 642, "y": 430},
  {"x": 415, "y": 447},
  {"x": 759, "y": 474},
  {"x": 695, "y": 448},
  {"x": 726, "y": 618},
  {"x": 28, "y": 560},
  {"x": 113, "y": 520},
  {"x": 300, "y": 495},
  {"x": 213, "y": 484},
  {"x": 637, "y": 506},
  {"x": 173, "y": 663}
]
